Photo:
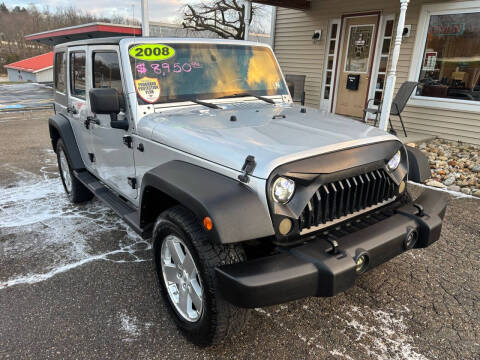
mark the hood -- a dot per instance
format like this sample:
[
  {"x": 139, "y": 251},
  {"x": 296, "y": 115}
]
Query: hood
[{"x": 274, "y": 135}]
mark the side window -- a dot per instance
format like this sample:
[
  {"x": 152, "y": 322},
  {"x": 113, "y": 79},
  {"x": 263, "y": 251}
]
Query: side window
[
  {"x": 106, "y": 71},
  {"x": 60, "y": 72},
  {"x": 77, "y": 74}
]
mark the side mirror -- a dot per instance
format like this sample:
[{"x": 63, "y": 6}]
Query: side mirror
[
  {"x": 104, "y": 101},
  {"x": 107, "y": 101}
]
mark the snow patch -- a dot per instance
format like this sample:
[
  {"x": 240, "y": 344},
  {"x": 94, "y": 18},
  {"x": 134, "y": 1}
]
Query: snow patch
[
  {"x": 131, "y": 327},
  {"x": 386, "y": 330},
  {"x": 338, "y": 353},
  {"x": 41, "y": 228}
]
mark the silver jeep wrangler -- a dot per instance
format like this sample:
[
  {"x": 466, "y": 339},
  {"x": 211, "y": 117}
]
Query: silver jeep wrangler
[{"x": 249, "y": 200}]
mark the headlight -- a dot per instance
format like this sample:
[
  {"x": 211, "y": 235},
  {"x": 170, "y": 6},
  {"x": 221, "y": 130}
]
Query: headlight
[
  {"x": 394, "y": 161},
  {"x": 282, "y": 190}
]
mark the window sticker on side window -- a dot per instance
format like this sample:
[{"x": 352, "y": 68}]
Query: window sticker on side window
[
  {"x": 148, "y": 89},
  {"x": 152, "y": 52}
]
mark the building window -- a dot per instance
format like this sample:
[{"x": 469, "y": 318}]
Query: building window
[
  {"x": 450, "y": 66},
  {"x": 359, "y": 48},
  {"x": 106, "y": 71},
  {"x": 330, "y": 63},
  {"x": 382, "y": 65},
  {"x": 331, "y": 54},
  {"x": 60, "y": 72},
  {"x": 77, "y": 74}
]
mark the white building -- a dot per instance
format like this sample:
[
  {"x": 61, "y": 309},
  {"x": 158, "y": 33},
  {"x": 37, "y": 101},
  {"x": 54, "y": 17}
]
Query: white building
[{"x": 35, "y": 69}]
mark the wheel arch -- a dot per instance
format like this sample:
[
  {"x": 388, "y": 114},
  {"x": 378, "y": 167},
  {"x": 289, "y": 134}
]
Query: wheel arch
[
  {"x": 60, "y": 128},
  {"x": 235, "y": 209},
  {"x": 418, "y": 165}
]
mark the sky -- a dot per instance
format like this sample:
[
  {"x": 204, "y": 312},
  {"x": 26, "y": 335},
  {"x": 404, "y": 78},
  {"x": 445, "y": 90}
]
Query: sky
[{"x": 160, "y": 10}]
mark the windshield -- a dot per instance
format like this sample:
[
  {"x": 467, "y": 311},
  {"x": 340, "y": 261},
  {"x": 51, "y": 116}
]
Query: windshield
[{"x": 179, "y": 72}]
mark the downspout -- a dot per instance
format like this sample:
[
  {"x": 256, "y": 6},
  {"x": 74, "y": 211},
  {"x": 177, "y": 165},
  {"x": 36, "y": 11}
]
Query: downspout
[{"x": 392, "y": 75}]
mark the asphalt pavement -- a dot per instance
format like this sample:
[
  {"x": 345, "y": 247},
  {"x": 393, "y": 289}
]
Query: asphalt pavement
[
  {"x": 23, "y": 96},
  {"x": 76, "y": 283}
]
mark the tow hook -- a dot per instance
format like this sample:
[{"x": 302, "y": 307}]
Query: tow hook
[
  {"x": 334, "y": 248},
  {"x": 419, "y": 208}
]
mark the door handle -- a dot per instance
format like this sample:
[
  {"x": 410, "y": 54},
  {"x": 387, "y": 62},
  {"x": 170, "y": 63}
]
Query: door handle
[
  {"x": 71, "y": 109},
  {"x": 91, "y": 120}
]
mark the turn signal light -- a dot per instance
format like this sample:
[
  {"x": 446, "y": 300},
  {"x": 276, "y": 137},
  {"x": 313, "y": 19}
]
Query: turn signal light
[{"x": 207, "y": 223}]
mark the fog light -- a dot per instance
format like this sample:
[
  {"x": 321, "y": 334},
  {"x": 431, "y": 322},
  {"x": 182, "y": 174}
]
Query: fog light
[
  {"x": 362, "y": 263},
  {"x": 410, "y": 239},
  {"x": 285, "y": 226},
  {"x": 401, "y": 187}
]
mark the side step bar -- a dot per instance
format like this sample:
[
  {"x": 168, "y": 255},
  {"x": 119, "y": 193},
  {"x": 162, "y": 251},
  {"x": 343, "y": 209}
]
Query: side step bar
[{"x": 127, "y": 212}]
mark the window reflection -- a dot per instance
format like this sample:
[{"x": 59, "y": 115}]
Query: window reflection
[{"x": 451, "y": 59}]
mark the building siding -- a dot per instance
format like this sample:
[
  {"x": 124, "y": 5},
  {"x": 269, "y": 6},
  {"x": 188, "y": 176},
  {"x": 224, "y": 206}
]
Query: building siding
[
  {"x": 19, "y": 75},
  {"x": 298, "y": 54},
  {"x": 41, "y": 76},
  {"x": 45, "y": 75}
]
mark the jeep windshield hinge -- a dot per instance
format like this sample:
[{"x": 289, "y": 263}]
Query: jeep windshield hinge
[
  {"x": 247, "y": 168},
  {"x": 132, "y": 182}
]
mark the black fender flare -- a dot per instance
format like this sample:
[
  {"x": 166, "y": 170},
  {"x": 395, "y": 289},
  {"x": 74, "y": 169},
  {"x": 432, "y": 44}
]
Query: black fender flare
[
  {"x": 235, "y": 209},
  {"x": 60, "y": 127},
  {"x": 418, "y": 165}
]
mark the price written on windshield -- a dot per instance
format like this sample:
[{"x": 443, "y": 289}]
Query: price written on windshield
[{"x": 165, "y": 68}]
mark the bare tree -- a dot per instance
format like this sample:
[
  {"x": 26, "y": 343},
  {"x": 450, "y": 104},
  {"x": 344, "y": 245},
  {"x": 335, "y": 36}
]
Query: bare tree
[{"x": 226, "y": 18}]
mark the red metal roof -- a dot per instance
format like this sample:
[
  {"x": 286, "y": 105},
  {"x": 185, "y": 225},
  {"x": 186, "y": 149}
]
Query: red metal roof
[
  {"x": 33, "y": 64},
  {"x": 84, "y": 31}
]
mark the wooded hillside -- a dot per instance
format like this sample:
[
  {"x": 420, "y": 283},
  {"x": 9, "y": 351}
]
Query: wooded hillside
[{"x": 17, "y": 22}]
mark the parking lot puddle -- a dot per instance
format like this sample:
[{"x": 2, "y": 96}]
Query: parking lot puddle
[{"x": 42, "y": 234}]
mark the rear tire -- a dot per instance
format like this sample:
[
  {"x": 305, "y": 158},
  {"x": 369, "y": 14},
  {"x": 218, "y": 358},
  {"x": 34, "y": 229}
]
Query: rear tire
[
  {"x": 213, "y": 318},
  {"x": 76, "y": 191}
]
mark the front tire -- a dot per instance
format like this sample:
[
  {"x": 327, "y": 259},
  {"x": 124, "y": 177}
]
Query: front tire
[
  {"x": 76, "y": 191},
  {"x": 185, "y": 261}
]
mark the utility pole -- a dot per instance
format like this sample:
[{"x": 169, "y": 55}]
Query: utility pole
[
  {"x": 145, "y": 22},
  {"x": 392, "y": 75},
  {"x": 248, "y": 10}
]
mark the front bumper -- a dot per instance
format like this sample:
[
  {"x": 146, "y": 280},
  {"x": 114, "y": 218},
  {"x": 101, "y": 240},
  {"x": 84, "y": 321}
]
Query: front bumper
[{"x": 313, "y": 269}]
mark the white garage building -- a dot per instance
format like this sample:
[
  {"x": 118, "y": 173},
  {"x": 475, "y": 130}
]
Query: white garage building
[{"x": 35, "y": 69}]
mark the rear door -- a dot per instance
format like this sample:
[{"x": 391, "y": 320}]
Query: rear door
[
  {"x": 77, "y": 108},
  {"x": 113, "y": 153}
]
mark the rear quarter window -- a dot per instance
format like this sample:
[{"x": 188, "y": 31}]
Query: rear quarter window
[{"x": 60, "y": 72}]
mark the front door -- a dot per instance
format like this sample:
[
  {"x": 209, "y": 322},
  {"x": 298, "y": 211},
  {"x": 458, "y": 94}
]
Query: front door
[
  {"x": 358, "y": 46},
  {"x": 113, "y": 156}
]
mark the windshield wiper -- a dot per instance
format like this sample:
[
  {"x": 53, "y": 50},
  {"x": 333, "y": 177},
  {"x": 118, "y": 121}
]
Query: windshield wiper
[
  {"x": 204, "y": 103},
  {"x": 270, "y": 101}
]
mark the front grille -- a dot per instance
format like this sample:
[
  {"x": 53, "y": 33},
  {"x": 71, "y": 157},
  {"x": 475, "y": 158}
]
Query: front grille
[{"x": 347, "y": 197}]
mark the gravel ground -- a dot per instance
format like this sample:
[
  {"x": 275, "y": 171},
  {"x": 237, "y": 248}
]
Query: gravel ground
[
  {"x": 75, "y": 283},
  {"x": 454, "y": 166}
]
